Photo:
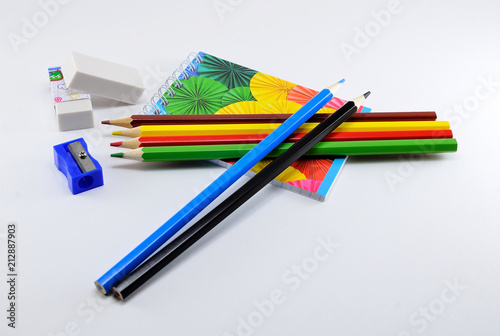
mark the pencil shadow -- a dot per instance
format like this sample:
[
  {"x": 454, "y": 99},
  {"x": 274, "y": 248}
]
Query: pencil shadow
[
  {"x": 352, "y": 160},
  {"x": 102, "y": 102},
  {"x": 167, "y": 165}
]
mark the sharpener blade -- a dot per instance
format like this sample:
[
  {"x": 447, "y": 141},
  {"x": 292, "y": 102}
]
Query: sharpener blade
[{"x": 81, "y": 157}]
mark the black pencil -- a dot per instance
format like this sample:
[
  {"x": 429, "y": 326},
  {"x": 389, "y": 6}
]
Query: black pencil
[{"x": 180, "y": 244}]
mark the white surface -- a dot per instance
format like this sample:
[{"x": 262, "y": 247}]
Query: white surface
[
  {"x": 102, "y": 78},
  {"x": 399, "y": 249},
  {"x": 74, "y": 114}
]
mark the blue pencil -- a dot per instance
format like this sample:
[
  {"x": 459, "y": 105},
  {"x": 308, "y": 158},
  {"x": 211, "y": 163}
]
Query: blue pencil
[{"x": 144, "y": 250}]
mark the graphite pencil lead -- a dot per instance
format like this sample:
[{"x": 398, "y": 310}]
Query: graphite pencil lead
[{"x": 359, "y": 100}]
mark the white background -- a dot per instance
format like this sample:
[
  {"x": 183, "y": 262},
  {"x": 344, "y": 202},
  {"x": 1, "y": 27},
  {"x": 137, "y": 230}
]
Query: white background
[{"x": 400, "y": 245}]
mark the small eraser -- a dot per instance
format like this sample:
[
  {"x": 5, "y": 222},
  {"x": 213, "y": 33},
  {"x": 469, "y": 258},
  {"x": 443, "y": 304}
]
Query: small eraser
[
  {"x": 82, "y": 171},
  {"x": 73, "y": 115},
  {"x": 103, "y": 78},
  {"x": 73, "y": 108}
]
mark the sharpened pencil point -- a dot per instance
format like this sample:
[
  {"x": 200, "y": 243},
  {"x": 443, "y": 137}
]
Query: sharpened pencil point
[
  {"x": 117, "y": 132},
  {"x": 105, "y": 122},
  {"x": 359, "y": 100},
  {"x": 120, "y": 155},
  {"x": 116, "y": 144},
  {"x": 333, "y": 88}
]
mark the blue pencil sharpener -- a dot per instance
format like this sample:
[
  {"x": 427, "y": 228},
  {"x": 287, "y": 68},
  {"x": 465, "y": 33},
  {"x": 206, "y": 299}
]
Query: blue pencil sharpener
[{"x": 82, "y": 171}]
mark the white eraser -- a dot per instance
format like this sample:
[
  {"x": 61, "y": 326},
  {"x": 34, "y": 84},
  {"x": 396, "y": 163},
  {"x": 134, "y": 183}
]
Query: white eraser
[
  {"x": 102, "y": 78},
  {"x": 74, "y": 114}
]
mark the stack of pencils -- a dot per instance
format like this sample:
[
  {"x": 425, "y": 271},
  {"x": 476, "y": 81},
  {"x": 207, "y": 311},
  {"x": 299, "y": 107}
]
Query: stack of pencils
[{"x": 213, "y": 137}]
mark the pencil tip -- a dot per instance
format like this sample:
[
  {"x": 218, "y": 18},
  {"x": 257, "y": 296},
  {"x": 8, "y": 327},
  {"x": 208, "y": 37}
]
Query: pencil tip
[
  {"x": 105, "y": 122},
  {"x": 120, "y": 155},
  {"x": 359, "y": 100},
  {"x": 116, "y": 144},
  {"x": 117, "y": 132},
  {"x": 335, "y": 86}
]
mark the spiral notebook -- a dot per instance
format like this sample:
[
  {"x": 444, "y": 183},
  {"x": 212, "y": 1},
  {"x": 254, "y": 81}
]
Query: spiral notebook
[{"x": 206, "y": 84}]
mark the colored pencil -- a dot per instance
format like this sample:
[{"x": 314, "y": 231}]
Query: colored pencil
[
  {"x": 170, "y": 119},
  {"x": 180, "y": 244},
  {"x": 256, "y": 138},
  {"x": 221, "y": 129},
  {"x": 219, "y": 152},
  {"x": 145, "y": 249}
]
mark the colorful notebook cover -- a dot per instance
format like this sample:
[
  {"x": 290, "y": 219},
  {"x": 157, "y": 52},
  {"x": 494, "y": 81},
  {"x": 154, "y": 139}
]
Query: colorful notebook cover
[{"x": 206, "y": 84}]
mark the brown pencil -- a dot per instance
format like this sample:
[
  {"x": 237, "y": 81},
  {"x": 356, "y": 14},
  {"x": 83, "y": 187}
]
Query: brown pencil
[{"x": 203, "y": 119}]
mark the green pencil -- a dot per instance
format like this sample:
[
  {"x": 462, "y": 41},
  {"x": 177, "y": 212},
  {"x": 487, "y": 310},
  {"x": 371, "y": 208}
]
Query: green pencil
[{"x": 217, "y": 152}]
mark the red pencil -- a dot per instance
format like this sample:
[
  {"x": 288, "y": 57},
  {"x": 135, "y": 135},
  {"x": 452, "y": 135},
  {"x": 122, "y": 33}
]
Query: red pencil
[
  {"x": 203, "y": 119},
  {"x": 255, "y": 138}
]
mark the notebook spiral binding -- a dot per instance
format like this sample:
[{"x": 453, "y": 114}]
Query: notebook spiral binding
[{"x": 184, "y": 71}]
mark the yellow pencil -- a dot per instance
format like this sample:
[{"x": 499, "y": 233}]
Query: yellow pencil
[{"x": 221, "y": 129}]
